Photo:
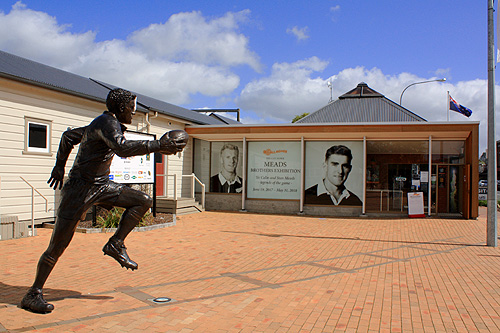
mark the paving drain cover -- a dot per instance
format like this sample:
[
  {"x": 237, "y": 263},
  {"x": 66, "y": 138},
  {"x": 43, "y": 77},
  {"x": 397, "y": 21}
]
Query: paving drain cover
[{"x": 162, "y": 300}]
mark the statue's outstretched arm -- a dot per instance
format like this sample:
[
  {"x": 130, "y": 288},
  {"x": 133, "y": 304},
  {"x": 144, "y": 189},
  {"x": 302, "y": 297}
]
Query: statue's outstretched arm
[
  {"x": 170, "y": 143},
  {"x": 69, "y": 139}
]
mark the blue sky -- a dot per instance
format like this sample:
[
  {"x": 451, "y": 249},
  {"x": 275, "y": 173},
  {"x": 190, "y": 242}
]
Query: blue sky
[{"x": 271, "y": 59}]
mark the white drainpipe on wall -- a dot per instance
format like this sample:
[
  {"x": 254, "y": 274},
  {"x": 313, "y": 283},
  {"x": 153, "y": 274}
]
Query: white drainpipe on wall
[
  {"x": 244, "y": 176},
  {"x": 363, "y": 211},
  {"x": 429, "y": 180},
  {"x": 302, "y": 174},
  {"x": 147, "y": 120}
]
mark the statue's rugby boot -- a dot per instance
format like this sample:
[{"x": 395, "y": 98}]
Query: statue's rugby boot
[
  {"x": 117, "y": 250},
  {"x": 33, "y": 301}
]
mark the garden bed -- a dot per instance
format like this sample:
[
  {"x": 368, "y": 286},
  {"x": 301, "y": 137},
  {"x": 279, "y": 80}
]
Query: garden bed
[{"x": 150, "y": 222}]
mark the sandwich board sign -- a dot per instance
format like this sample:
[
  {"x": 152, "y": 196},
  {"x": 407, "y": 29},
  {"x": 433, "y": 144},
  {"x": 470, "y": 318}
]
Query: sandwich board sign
[{"x": 416, "y": 204}]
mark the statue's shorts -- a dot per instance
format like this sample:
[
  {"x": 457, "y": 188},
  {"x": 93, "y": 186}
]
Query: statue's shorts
[{"x": 78, "y": 195}]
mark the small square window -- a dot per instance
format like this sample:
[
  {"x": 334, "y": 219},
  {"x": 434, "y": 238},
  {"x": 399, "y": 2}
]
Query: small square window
[{"x": 37, "y": 136}]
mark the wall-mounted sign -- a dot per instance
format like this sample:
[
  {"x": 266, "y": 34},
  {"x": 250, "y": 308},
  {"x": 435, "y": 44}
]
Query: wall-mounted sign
[
  {"x": 134, "y": 169},
  {"x": 273, "y": 170}
]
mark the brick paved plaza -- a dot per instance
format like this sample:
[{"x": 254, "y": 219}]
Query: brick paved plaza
[{"x": 241, "y": 272}]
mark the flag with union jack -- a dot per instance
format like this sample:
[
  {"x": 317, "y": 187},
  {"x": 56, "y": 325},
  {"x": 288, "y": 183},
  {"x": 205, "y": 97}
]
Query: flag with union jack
[{"x": 454, "y": 106}]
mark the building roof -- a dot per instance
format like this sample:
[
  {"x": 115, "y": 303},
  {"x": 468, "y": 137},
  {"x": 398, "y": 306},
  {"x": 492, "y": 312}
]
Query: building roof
[
  {"x": 223, "y": 119},
  {"x": 361, "y": 105},
  {"x": 20, "y": 69}
]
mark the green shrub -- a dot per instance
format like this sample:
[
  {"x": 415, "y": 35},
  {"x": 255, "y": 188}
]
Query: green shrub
[
  {"x": 484, "y": 203},
  {"x": 111, "y": 219}
]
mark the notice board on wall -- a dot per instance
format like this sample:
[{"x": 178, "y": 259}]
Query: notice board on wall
[{"x": 134, "y": 169}]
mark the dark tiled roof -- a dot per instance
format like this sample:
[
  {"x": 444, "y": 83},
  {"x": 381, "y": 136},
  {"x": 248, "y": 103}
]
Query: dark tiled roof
[
  {"x": 21, "y": 69},
  {"x": 361, "y": 104}
]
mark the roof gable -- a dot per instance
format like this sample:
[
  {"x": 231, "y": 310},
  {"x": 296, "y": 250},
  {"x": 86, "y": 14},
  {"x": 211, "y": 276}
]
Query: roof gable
[{"x": 361, "y": 91}]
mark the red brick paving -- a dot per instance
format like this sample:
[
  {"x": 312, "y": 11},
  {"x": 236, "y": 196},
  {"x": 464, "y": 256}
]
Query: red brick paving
[{"x": 237, "y": 272}]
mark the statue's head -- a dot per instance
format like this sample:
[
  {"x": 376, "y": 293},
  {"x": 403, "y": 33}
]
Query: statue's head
[{"x": 123, "y": 104}]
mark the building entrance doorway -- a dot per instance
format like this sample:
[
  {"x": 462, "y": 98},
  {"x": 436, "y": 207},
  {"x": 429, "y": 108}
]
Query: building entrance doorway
[
  {"x": 161, "y": 180},
  {"x": 447, "y": 191}
]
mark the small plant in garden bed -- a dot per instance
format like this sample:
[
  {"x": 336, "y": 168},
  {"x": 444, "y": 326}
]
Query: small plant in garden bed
[{"x": 110, "y": 219}]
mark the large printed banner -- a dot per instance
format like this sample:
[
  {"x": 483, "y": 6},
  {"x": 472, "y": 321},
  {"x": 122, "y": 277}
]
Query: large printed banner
[
  {"x": 273, "y": 170},
  {"x": 334, "y": 173},
  {"x": 226, "y": 167},
  {"x": 134, "y": 169}
]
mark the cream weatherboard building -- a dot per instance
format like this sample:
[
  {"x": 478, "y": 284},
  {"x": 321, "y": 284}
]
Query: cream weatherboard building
[{"x": 37, "y": 104}]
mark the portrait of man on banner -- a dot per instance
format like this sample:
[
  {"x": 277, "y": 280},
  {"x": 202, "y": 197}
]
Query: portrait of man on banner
[
  {"x": 225, "y": 163},
  {"x": 334, "y": 177}
]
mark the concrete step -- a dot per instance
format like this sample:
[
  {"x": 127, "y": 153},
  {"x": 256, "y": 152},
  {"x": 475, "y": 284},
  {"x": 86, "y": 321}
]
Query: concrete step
[{"x": 180, "y": 206}]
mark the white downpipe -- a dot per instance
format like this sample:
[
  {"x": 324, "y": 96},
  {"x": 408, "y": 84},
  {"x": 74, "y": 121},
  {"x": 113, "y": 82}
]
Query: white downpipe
[
  {"x": 175, "y": 187},
  {"x": 192, "y": 185},
  {"x": 148, "y": 124},
  {"x": 302, "y": 174},
  {"x": 244, "y": 175},
  {"x": 363, "y": 210},
  {"x": 429, "y": 184},
  {"x": 165, "y": 172}
]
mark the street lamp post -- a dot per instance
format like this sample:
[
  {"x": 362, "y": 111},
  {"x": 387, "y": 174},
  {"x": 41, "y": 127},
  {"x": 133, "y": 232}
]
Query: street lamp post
[{"x": 437, "y": 80}]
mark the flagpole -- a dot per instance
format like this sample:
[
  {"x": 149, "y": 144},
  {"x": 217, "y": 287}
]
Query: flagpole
[
  {"x": 448, "y": 106},
  {"x": 491, "y": 234}
]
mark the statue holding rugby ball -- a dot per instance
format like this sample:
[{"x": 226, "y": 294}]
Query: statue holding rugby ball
[{"x": 88, "y": 184}]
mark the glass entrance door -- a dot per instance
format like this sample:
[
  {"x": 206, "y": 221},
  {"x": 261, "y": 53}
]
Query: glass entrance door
[{"x": 447, "y": 189}]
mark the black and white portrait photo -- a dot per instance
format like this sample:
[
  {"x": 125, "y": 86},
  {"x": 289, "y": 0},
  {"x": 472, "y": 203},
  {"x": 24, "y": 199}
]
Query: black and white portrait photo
[
  {"x": 225, "y": 158},
  {"x": 334, "y": 177}
]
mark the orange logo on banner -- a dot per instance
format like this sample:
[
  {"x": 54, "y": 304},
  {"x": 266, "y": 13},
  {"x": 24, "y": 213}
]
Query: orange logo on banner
[{"x": 269, "y": 151}]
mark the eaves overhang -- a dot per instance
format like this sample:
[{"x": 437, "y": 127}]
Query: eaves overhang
[{"x": 336, "y": 131}]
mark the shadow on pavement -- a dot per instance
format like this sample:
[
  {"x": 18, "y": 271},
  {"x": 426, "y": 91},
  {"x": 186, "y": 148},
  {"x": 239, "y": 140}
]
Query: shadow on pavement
[
  {"x": 353, "y": 238},
  {"x": 13, "y": 294}
]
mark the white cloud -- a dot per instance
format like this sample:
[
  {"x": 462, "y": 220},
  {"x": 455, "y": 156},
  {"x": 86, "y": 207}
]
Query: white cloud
[
  {"x": 299, "y": 33},
  {"x": 169, "y": 81},
  {"x": 187, "y": 55},
  {"x": 36, "y": 35},
  {"x": 333, "y": 11},
  {"x": 288, "y": 91},
  {"x": 190, "y": 37}
]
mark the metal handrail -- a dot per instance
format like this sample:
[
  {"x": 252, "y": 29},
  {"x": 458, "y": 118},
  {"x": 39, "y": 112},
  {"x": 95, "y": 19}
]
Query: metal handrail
[
  {"x": 33, "y": 190},
  {"x": 193, "y": 179},
  {"x": 388, "y": 196}
]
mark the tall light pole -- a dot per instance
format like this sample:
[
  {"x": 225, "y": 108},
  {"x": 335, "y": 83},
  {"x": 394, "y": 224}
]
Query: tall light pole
[
  {"x": 437, "y": 80},
  {"x": 491, "y": 236}
]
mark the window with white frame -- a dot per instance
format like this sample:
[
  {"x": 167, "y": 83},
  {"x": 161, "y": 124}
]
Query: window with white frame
[{"x": 37, "y": 135}]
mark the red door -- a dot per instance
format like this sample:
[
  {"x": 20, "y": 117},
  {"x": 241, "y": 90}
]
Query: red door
[{"x": 160, "y": 180}]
